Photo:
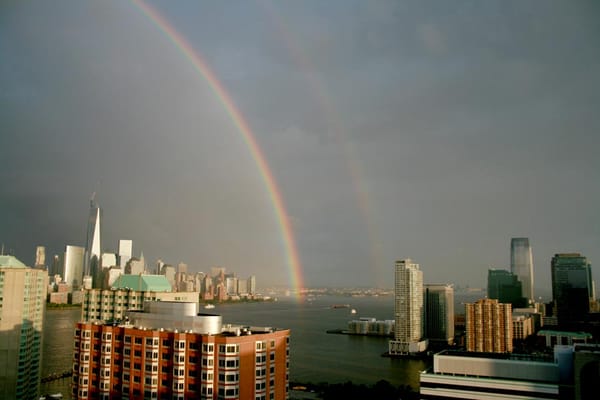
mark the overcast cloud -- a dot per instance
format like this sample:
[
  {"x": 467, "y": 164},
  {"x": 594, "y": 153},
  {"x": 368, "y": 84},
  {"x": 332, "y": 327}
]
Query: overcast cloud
[{"x": 427, "y": 130}]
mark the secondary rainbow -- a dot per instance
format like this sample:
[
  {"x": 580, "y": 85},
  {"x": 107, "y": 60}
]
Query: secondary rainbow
[
  {"x": 201, "y": 66},
  {"x": 336, "y": 126}
]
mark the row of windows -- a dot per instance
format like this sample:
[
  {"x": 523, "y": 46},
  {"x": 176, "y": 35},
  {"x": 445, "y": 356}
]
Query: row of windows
[
  {"x": 229, "y": 348},
  {"x": 229, "y": 362}
]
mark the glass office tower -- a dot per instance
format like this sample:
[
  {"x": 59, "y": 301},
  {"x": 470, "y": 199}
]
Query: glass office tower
[
  {"x": 572, "y": 287},
  {"x": 521, "y": 265}
]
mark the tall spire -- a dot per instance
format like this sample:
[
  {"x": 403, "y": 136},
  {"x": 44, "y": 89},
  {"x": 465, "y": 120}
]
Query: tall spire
[{"x": 93, "y": 245}]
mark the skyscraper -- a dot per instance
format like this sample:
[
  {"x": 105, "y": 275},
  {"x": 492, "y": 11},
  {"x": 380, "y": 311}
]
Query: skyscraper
[
  {"x": 489, "y": 326},
  {"x": 572, "y": 287},
  {"x": 93, "y": 244},
  {"x": 408, "y": 309},
  {"x": 22, "y": 305},
  {"x": 521, "y": 264},
  {"x": 40, "y": 257},
  {"x": 56, "y": 268},
  {"x": 73, "y": 266},
  {"x": 125, "y": 252},
  {"x": 505, "y": 287},
  {"x": 439, "y": 313}
]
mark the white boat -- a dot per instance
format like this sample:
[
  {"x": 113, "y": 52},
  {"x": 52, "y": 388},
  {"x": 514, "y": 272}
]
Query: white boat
[
  {"x": 353, "y": 311},
  {"x": 209, "y": 306}
]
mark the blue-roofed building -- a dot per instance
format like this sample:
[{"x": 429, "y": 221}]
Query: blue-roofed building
[{"x": 143, "y": 283}]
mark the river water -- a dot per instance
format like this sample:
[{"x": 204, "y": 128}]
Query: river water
[{"x": 315, "y": 356}]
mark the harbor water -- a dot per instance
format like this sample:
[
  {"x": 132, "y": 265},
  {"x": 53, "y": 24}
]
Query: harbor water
[{"x": 315, "y": 355}]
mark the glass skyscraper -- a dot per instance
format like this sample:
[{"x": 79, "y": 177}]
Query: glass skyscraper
[
  {"x": 92, "y": 266},
  {"x": 439, "y": 311},
  {"x": 521, "y": 265},
  {"x": 572, "y": 287},
  {"x": 73, "y": 266},
  {"x": 505, "y": 287}
]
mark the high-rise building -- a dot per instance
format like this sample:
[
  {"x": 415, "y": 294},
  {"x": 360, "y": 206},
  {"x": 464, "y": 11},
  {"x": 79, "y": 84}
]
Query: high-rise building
[
  {"x": 572, "y": 287},
  {"x": 182, "y": 268},
  {"x": 252, "y": 285},
  {"x": 109, "y": 260},
  {"x": 93, "y": 244},
  {"x": 56, "y": 268},
  {"x": 489, "y": 326},
  {"x": 40, "y": 257},
  {"x": 521, "y": 265},
  {"x": 231, "y": 285},
  {"x": 439, "y": 313},
  {"x": 125, "y": 252},
  {"x": 216, "y": 271},
  {"x": 408, "y": 309},
  {"x": 22, "y": 305},
  {"x": 73, "y": 266},
  {"x": 168, "y": 271},
  {"x": 505, "y": 287},
  {"x": 135, "y": 267},
  {"x": 171, "y": 351},
  {"x": 159, "y": 265}
]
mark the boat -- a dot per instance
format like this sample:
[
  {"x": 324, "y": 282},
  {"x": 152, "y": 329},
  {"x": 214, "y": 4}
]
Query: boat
[
  {"x": 55, "y": 396},
  {"x": 209, "y": 306},
  {"x": 340, "y": 306},
  {"x": 353, "y": 311}
]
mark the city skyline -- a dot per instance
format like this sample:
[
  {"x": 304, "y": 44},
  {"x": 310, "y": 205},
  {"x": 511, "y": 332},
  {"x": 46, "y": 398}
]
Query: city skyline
[{"x": 391, "y": 130}]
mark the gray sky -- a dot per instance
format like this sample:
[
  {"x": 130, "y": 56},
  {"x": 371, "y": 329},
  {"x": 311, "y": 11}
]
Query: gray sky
[{"x": 430, "y": 130}]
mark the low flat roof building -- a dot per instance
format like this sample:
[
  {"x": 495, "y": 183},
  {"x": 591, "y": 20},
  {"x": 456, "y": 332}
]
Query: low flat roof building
[
  {"x": 469, "y": 375},
  {"x": 564, "y": 338}
]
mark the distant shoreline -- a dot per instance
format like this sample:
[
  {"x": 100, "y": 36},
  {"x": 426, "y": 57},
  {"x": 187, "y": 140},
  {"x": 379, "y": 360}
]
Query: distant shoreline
[{"x": 346, "y": 332}]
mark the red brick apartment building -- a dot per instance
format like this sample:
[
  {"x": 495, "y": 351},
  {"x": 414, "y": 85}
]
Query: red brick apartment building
[{"x": 140, "y": 360}]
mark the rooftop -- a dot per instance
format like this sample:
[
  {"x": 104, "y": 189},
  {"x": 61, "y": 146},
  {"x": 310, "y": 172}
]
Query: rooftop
[
  {"x": 577, "y": 335},
  {"x": 143, "y": 283},
  {"x": 498, "y": 356},
  {"x": 11, "y": 262}
]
